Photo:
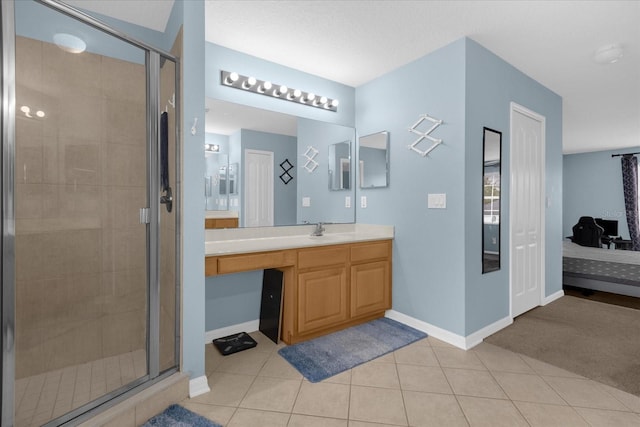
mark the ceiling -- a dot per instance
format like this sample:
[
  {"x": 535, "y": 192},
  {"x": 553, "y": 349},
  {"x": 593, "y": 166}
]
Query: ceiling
[{"x": 353, "y": 42}]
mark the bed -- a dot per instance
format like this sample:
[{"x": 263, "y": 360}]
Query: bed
[{"x": 607, "y": 270}]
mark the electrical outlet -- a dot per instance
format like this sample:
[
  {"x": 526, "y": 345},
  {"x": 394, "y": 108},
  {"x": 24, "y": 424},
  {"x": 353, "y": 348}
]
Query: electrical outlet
[
  {"x": 306, "y": 202},
  {"x": 347, "y": 201},
  {"x": 363, "y": 201},
  {"x": 436, "y": 201}
]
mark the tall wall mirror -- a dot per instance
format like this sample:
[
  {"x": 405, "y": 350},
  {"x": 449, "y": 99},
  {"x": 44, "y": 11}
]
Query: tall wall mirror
[
  {"x": 265, "y": 183},
  {"x": 373, "y": 160},
  {"x": 491, "y": 159}
]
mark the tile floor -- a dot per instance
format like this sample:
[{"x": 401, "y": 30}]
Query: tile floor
[
  {"x": 428, "y": 383},
  {"x": 49, "y": 395}
]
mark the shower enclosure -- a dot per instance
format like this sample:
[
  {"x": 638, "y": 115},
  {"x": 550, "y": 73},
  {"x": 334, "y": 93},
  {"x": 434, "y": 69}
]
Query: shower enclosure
[{"x": 89, "y": 244}]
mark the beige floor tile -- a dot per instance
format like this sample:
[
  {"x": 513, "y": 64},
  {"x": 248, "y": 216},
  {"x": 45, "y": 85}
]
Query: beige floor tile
[
  {"x": 323, "y": 400},
  {"x": 416, "y": 354},
  {"x": 542, "y": 368},
  {"x": 527, "y": 388},
  {"x": 277, "y": 367},
  {"x": 377, "y": 405},
  {"x": 226, "y": 389},
  {"x": 584, "y": 393},
  {"x": 387, "y": 358},
  {"x": 435, "y": 342},
  {"x": 604, "y": 418},
  {"x": 248, "y": 362},
  {"x": 481, "y": 412},
  {"x": 271, "y": 394},
  {"x": 341, "y": 378},
  {"x": 456, "y": 358},
  {"x": 423, "y": 378},
  {"x": 430, "y": 409},
  {"x": 468, "y": 382},
  {"x": 218, "y": 414},
  {"x": 253, "y": 418},
  {"x": 353, "y": 423},
  {"x": 376, "y": 375},
  {"x": 264, "y": 343},
  {"x": 541, "y": 415},
  {"x": 498, "y": 359},
  {"x": 629, "y": 400},
  {"x": 298, "y": 420}
]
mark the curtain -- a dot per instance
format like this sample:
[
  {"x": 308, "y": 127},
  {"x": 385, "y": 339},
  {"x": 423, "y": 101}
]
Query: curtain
[{"x": 630, "y": 187}]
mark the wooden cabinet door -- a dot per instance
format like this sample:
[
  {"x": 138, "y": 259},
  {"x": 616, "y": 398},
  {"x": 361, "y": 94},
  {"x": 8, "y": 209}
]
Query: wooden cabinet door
[
  {"x": 322, "y": 298},
  {"x": 370, "y": 288}
]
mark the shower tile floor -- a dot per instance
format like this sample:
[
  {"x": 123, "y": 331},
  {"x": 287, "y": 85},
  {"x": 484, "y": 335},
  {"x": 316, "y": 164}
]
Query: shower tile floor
[{"x": 43, "y": 397}]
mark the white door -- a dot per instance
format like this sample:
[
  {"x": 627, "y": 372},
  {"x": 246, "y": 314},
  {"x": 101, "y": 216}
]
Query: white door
[
  {"x": 258, "y": 188},
  {"x": 527, "y": 209}
]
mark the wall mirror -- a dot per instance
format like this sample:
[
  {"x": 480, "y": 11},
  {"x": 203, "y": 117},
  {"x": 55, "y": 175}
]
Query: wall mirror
[
  {"x": 340, "y": 166},
  {"x": 373, "y": 160},
  {"x": 492, "y": 152},
  {"x": 250, "y": 138}
]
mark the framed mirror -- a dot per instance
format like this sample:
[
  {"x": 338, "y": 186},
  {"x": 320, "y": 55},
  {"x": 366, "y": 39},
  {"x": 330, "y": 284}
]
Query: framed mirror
[
  {"x": 491, "y": 159},
  {"x": 373, "y": 160},
  {"x": 340, "y": 166}
]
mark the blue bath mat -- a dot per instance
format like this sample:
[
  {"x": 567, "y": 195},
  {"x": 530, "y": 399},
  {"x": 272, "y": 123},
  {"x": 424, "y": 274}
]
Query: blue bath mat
[
  {"x": 177, "y": 416},
  {"x": 331, "y": 354}
]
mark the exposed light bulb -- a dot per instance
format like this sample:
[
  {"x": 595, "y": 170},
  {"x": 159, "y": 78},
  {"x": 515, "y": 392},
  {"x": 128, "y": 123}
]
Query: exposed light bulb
[
  {"x": 264, "y": 87},
  {"x": 249, "y": 83},
  {"x": 281, "y": 90},
  {"x": 310, "y": 97},
  {"x": 231, "y": 78},
  {"x": 335, "y": 103}
]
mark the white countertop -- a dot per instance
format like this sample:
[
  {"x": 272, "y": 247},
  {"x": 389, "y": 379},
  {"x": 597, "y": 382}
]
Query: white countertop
[{"x": 245, "y": 240}]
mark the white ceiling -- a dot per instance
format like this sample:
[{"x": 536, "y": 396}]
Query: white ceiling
[{"x": 353, "y": 42}]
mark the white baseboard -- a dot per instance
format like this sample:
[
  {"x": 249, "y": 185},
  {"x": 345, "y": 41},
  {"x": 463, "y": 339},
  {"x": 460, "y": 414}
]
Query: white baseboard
[
  {"x": 553, "y": 297},
  {"x": 250, "y": 326},
  {"x": 464, "y": 343},
  {"x": 198, "y": 386}
]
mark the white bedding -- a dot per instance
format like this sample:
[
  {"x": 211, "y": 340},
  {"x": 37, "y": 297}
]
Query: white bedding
[{"x": 573, "y": 250}]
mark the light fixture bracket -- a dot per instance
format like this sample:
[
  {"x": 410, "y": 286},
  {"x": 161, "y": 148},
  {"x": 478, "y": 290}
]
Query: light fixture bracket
[{"x": 263, "y": 87}]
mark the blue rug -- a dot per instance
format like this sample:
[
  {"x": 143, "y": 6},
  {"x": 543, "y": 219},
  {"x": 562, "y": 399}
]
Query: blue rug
[
  {"x": 331, "y": 354},
  {"x": 177, "y": 416}
]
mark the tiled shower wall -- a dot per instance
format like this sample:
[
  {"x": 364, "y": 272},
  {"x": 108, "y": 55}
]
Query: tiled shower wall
[{"x": 80, "y": 181}]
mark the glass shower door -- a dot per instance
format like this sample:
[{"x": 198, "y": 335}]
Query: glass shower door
[{"x": 81, "y": 286}]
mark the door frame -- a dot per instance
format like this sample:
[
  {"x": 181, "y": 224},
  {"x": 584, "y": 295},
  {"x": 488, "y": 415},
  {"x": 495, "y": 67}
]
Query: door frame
[{"x": 517, "y": 108}]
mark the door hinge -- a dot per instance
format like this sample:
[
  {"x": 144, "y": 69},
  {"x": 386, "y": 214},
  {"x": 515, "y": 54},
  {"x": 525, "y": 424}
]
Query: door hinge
[{"x": 144, "y": 216}]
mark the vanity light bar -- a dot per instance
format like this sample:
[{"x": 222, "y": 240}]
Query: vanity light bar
[{"x": 251, "y": 84}]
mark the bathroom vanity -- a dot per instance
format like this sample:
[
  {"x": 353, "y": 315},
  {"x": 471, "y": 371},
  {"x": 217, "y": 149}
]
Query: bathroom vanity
[{"x": 331, "y": 282}]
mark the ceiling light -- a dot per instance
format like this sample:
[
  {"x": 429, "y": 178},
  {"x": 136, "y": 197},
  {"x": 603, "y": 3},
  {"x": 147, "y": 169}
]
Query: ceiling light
[
  {"x": 608, "y": 54},
  {"x": 69, "y": 43},
  {"x": 265, "y": 87}
]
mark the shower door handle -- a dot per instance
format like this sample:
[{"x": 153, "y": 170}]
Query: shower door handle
[{"x": 167, "y": 199}]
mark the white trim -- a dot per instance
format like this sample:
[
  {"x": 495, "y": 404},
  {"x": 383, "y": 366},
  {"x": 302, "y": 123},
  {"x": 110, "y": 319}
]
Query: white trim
[
  {"x": 478, "y": 336},
  {"x": 514, "y": 107},
  {"x": 198, "y": 386},
  {"x": 552, "y": 297},
  {"x": 464, "y": 343},
  {"x": 250, "y": 326}
]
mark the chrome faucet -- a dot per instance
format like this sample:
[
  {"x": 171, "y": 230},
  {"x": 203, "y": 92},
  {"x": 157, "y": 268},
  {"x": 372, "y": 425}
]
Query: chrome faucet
[{"x": 318, "y": 230}]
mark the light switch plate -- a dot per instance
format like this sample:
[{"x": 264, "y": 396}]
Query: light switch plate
[
  {"x": 347, "y": 201},
  {"x": 436, "y": 201},
  {"x": 363, "y": 201},
  {"x": 306, "y": 202}
]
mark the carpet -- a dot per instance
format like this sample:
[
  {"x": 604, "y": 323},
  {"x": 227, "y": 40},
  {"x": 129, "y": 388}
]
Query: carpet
[
  {"x": 593, "y": 339},
  {"x": 331, "y": 354},
  {"x": 177, "y": 416}
]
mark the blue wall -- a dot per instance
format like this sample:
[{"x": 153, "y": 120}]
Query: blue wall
[
  {"x": 437, "y": 252},
  {"x": 491, "y": 85},
  {"x": 593, "y": 187},
  {"x": 428, "y": 250}
]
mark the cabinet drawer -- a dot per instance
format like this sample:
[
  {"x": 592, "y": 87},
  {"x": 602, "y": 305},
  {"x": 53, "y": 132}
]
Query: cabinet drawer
[
  {"x": 257, "y": 261},
  {"x": 319, "y": 257},
  {"x": 369, "y": 251}
]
